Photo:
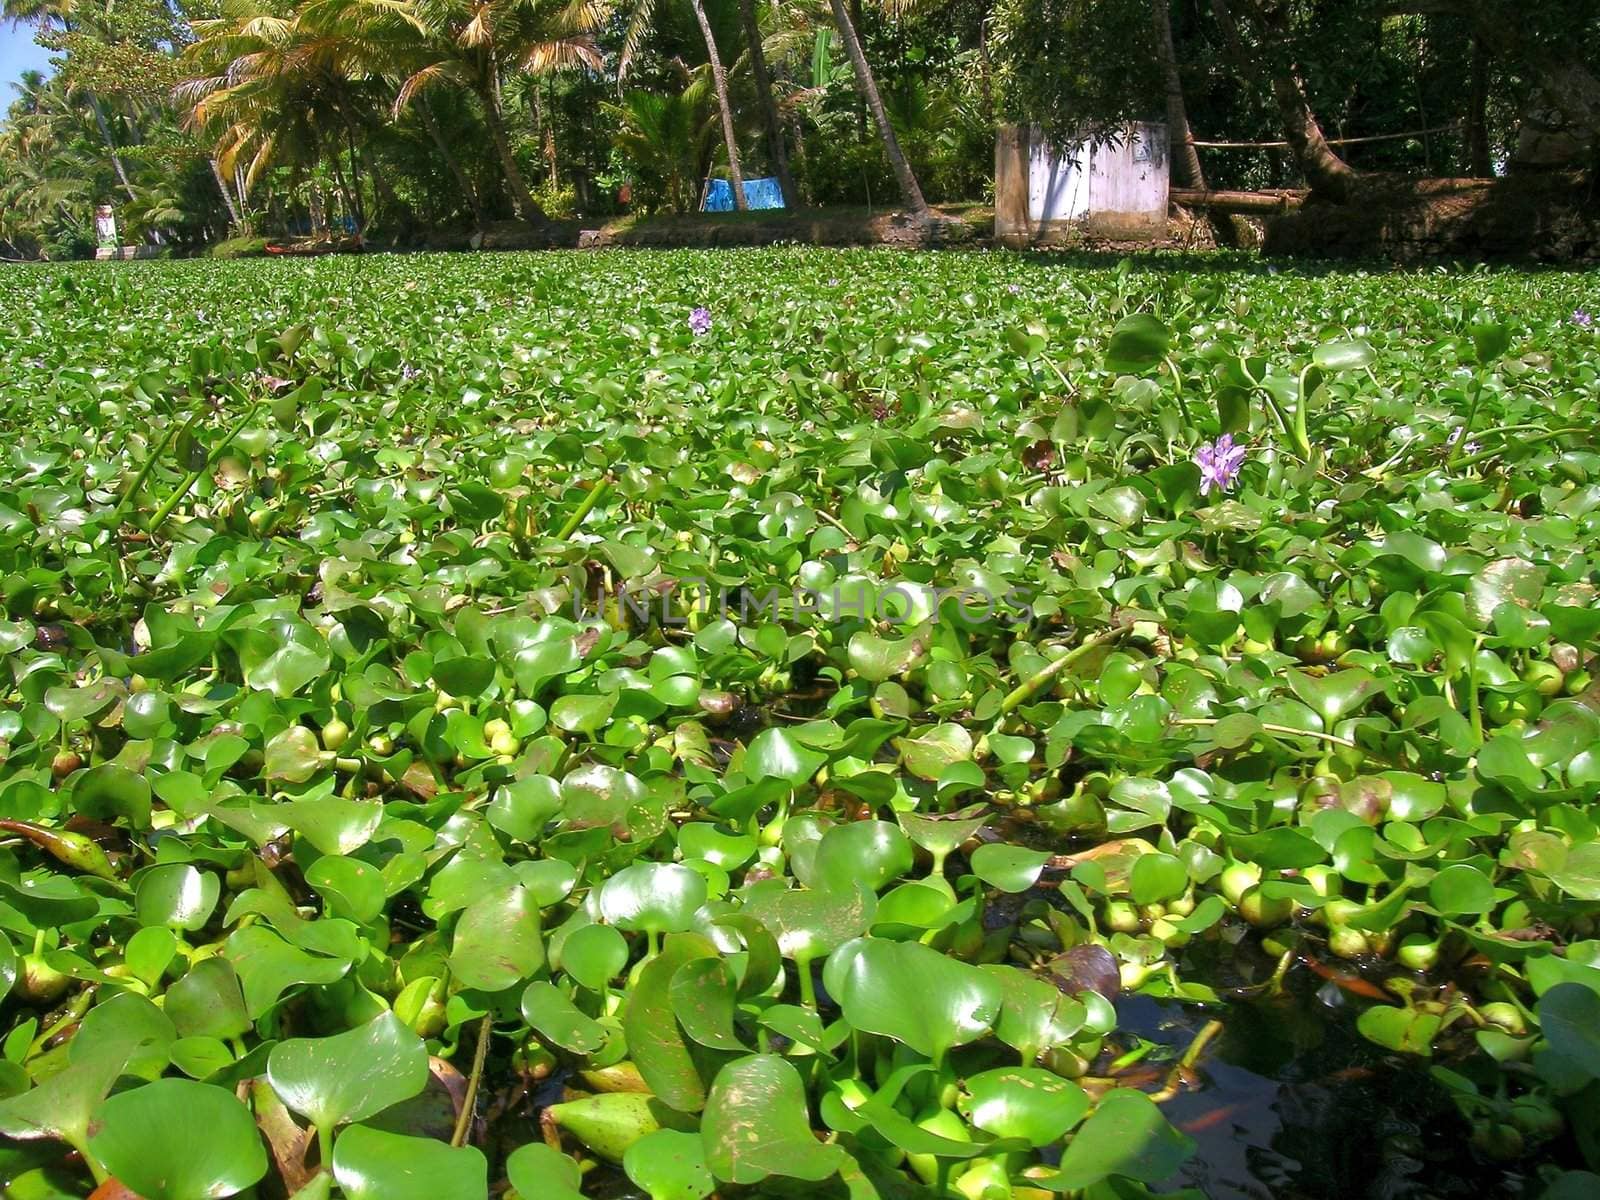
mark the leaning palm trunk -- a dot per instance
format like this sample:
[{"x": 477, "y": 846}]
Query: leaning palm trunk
[
  {"x": 769, "y": 106},
  {"x": 1328, "y": 174},
  {"x": 235, "y": 217},
  {"x": 111, "y": 146},
  {"x": 867, "y": 86},
  {"x": 521, "y": 198},
  {"x": 1181, "y": 137},
  {"x": 719, "y": 77},
  {"x": 451, "y": 162}
]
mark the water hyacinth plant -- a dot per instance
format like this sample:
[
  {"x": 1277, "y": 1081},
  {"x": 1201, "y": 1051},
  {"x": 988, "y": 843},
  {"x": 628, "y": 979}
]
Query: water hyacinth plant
[
  {"x": 1219, "y": 463},
  {"x": 469, "y": 740},
  {"x": 700, "y": 321}
]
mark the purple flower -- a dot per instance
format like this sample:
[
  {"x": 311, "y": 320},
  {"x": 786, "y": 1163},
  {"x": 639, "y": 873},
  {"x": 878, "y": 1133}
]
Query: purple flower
[
  {"x": 1582, "y": 319},
  {"x": 1014, "y": 289},
  {"x": 700, "y": 321},
  {"x": 1219, "y": 463}
]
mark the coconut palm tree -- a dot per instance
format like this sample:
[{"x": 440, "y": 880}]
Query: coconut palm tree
[
  {"x": 68, "y": 15},
  {"x": 867, "y": 87},
  {"x": 776, "y": 149},
  {"x": 272, "y": 89},
  {"x": 475, "y": 43},
  {"x": 642, "y": 18},
  {"x": 667, "y": 136}
]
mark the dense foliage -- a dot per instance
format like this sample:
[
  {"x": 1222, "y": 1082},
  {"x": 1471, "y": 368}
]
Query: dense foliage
[
  {"x": 760, "y": 717},
  {"x": 404, "y": 118}
]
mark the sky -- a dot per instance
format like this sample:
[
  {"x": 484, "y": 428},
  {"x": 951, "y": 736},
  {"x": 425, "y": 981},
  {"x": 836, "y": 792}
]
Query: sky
[{"x": 18, "y": 53}]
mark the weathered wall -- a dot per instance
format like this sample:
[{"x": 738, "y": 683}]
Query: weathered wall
[{"x": 1046, "y": 194}]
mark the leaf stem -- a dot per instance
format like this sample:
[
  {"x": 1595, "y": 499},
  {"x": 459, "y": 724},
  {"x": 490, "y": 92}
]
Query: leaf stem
[
  {"x": 132, "y": 493},
  {"x": 1021, "y": 693},
  {"x": 469, "y": 1101},
  {"x": 808, "y": 987},
  {"x": 596, "y": 494},
  {"x": 1466, "y": 426},
  {"x": 1268, "y": 727},
  {"x": 1177, "y": 392},
  {"x": 212, "y": 459},
  {"x": 1204, "y": 1038},
  {"x": 1302, "y": 437}
]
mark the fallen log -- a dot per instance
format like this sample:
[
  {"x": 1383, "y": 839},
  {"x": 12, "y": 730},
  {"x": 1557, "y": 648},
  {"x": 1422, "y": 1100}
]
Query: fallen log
[{"x": 1240, "y": 202}]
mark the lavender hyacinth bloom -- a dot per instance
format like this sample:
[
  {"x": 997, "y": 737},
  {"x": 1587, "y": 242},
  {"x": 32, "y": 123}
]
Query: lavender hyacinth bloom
[
  {"x": 700, "y": 321},
  {"x": 1582, "y": 319},
  {"x": 1219, "y": 463}
]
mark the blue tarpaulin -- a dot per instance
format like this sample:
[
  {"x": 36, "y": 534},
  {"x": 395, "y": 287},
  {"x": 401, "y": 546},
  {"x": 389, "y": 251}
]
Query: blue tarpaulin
[{"x": 758, "y": 193}]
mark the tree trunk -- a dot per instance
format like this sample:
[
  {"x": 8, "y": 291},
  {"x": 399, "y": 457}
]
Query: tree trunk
[
  {"x": 867, "y": 87},
  {"x": 545, "y": 128},
  {"x": 111, "y": 146},
  {"x": 521, "y": 198},
  {"x": 1327, "y": 174},
  {"x": 1180, "y": 138},
  {"x": 720, "y": 78},
  {"x": 1563, "y": 77},
  {"x": 236, "y": 220},
  {"x": 451, "y": 162},
  {"x": 776, "y": 149},
  {"x": 1478, "y": 163}
]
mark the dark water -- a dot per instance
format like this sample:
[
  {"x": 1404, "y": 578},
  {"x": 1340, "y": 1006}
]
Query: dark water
[{"x": 1293, "y": 1104}]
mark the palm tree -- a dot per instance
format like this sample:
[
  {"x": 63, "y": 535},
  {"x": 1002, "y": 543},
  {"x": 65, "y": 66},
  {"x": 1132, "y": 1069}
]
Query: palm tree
[
  {"x": 273, "y": 89},
  {"x": 667, "y": 137},
  {"x": 719, "y": 79},
  {"x": 642, "y": 16},
  {"x": 867, "y": 87},
  {"x": 66, "y": 15},
  {"x": 776, "y": 149},
  {"x": 474, "y": 43}
]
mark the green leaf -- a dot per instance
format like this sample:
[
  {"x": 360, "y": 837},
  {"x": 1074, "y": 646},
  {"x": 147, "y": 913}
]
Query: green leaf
[
  {"x": 110, "y": 791},
  {"x": 1126, "y": 1136},
  {"x": 293, "y": 756},
  {"x": 871, "y": 852},
  {"x": 657, "y": 897},
  {"x": 373, "y": 1165},
  {"x": 538, "y": 1172},
  {"x": 176, "y": 895},
  {"x": 756, "y": 1125},
  {"x": 1157, "y": 877},
  {"x": 1009, "y": 868},
  {"x": 498, "y": 941},
  {"x": 1024, "y": 1102},
  {"x": 912, "y": 993},
  {"x": 557, "y": 1019},
  {"x": 1461, "y": 888},
  {"x": 349, "y": 1076},
  {"x": 777, "y": 754},
  {"x": 1138, "y": 342},
  {"x": 1569, "y": 1017},
  {"x": 1404, "y": 1030},
  {"x": 594, "y": 955},
  {"x": 1490, "y": 340},
  {"x": 208, "y": 1001},
  {"x": 179, "y": 1140},
  {"x": 669, "y": 1165},
  {"x": 658, "y": 1047},
  {"x": 1352, "y": 355}
]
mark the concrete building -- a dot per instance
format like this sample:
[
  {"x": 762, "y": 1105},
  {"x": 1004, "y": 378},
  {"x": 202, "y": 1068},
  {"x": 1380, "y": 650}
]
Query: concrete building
[{"x": 1115, "y": 188}]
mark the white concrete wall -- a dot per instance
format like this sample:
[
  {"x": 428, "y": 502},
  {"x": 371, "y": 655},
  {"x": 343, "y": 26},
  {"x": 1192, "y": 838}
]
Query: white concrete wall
[
  {"x": 1113, "y": 188},
  {"x": 1129, "y": 178},
  {"x": 1058, "y": 181}
]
